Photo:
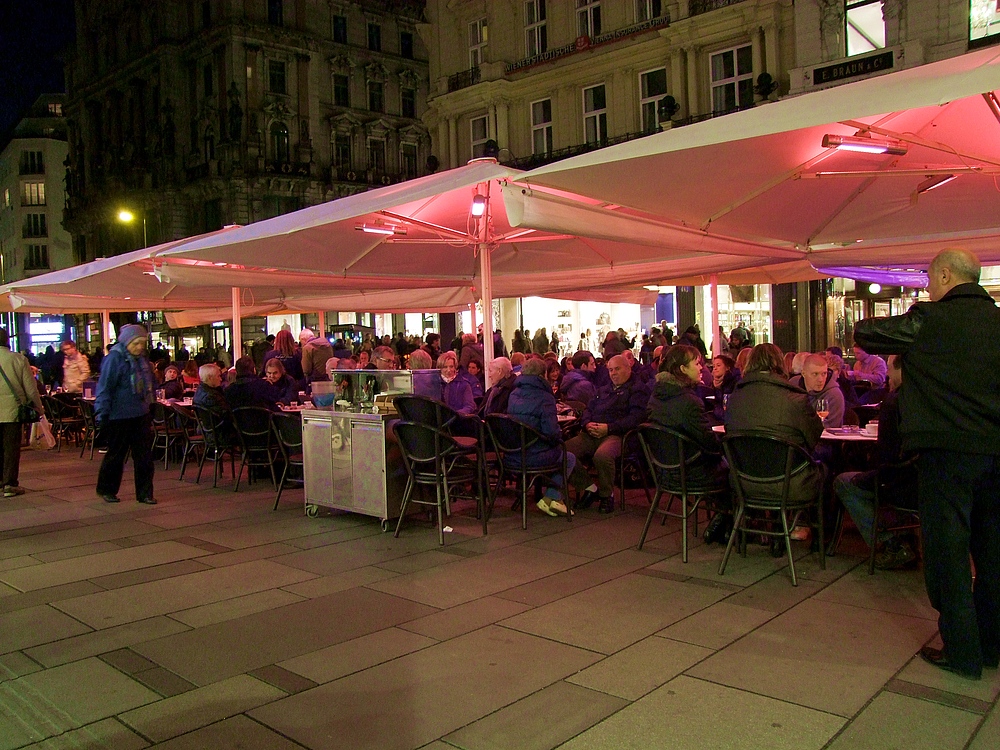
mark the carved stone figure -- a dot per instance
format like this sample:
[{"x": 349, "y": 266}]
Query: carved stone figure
[
  {"x": 235, "y": 114},
  {"x": 831, "y": 27}
]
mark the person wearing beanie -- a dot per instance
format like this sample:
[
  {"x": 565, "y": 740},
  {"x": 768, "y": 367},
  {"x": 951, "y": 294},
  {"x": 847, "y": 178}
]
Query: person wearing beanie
[{"x": 125, "y": 391}]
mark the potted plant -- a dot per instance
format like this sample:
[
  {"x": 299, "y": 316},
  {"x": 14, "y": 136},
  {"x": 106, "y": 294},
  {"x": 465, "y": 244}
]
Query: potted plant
[{"x": 766, "y": 85}]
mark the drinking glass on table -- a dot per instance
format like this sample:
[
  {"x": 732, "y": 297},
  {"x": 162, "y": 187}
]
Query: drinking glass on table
[{"x": 822, "y": 410}]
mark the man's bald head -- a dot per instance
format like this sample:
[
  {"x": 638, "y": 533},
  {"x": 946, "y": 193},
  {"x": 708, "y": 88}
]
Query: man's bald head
[
  {"x": 619, "y": 369},
  {"x": 951, "y": 267}
]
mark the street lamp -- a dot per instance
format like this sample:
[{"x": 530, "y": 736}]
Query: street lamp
[{"x": 127, "y": 217}]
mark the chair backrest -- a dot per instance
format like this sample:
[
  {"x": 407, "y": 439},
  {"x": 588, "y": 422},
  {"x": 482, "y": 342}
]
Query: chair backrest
[
  {"x": 763, "y": 458},
  {"x": 51, "y": 408},
  {"x": 288, "y": 433},
  {"x": 212, "y": 427},
  {"x": 423, "y": 444},
  {"x": 186, "y": 416},
  {"x": 897, "y": 483},
  {"x": 87, "y": 412},
  {"x": 511, "y": 436},
  {"x": 667, "y": 449},
  {"x": 253, "y": 425},
  {"x": 161, "y": 414},
  {"x": 424, "y": 410}
]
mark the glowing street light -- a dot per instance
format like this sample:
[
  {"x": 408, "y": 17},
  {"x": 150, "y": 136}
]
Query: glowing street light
[{"x": 127, "y": 217}]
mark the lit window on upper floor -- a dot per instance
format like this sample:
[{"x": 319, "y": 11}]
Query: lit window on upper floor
[
  {"x": 55, "y": 108},
  {"x": 865, "y": 26},
  {"x": 33, "y": 194},
  {"x": 984, "y": 22}
]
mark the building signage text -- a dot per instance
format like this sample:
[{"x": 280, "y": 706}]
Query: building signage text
[{"x": 852, "y": 68}]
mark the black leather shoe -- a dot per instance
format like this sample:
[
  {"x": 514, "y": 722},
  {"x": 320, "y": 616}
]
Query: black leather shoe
[
  {"x": 109, "y": 498},
  {"x": 588, "y": 498},
  {"x": 147, "y": 500},
  {"x": 936, "y": 657},
  {"x": 718, "y": 528},
  {"x": 607, "y": 505}
]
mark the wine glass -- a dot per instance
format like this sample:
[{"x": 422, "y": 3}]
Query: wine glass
[{"x": 822, "y": 410}]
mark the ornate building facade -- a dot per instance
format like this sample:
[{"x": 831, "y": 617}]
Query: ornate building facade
[
  {"x": 548, "y": 79},
  {"x": 195, "y": 114}
]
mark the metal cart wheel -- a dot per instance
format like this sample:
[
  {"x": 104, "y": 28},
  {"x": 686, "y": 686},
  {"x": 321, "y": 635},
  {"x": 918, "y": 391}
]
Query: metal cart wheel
[{"x": 312, "y": 511}]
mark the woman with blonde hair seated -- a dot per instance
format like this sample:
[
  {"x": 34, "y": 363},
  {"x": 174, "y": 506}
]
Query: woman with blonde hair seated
[{"x": 456, "y": 392}]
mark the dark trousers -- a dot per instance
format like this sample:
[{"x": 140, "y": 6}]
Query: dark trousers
[
  {"x": 10, "y": 443},
  {"x": 134, "y": 434},
  {"x": 960, "y": 515}
]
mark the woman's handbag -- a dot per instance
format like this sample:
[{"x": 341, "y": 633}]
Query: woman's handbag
[{"x": 26, "y": 411}]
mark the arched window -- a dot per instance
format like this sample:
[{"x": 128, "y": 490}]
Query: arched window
[{"x": 279, "y": 142}]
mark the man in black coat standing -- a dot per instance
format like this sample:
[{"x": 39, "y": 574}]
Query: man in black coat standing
[{"x": 951, "y": 416}]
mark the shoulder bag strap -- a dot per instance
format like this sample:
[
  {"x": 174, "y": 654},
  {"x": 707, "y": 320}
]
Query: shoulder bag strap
[{"x": 12, "y": 390}]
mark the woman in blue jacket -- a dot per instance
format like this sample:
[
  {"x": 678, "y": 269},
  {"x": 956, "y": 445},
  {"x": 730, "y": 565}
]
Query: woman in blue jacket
[{"x": 125, "y": 390}]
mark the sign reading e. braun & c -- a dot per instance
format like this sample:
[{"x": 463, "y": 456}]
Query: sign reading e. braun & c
[{"x": 851, "y": 68}]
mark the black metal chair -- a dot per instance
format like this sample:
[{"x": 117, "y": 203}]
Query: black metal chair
[
  {"x": 467, "y": 430},
  {"x": 433, "y": 459},
  {"x": 631, "y": 463},
  {"x": 762, "y": 467},
  {"x": 258, "y": 448},
  {"x": 166, "y": 430},
  {"x": 288, "y": 435},
  {"x": 895, "y": 490},
  {"x": 90, "y": 431},
  {"x": 190, "y": 435},
  {"x": 670, "y": 455},
  {"x": 219, "y": 438},
  {"x": 513, "y": 438}
]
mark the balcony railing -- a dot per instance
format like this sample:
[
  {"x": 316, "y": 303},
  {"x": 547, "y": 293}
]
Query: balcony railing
[
  {"x": 464, "y": 79},
  {"x": 697, "y": 7},
  {"x": 537, "y": 160}
]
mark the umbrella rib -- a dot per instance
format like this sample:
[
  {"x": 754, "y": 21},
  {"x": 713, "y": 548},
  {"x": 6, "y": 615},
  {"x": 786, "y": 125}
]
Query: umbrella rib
[
  {"x": 839, "y": 209},
  {"x": 791, "y": 174},
  {"x": 916, "y": 140}
]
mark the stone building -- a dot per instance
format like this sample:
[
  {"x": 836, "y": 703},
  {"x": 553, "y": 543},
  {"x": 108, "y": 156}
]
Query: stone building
[
  {"x": 545, "y": 80},
  {"x": 195, "y": 114},
  {"x": 32, "y": 192},
  {"x": 839, "y": 41}
]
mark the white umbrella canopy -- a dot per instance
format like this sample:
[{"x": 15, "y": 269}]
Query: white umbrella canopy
[
  {"x": 568, "y": 247},
  {"x": 762, "y": 176}
]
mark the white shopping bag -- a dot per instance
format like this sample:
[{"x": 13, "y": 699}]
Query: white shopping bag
[{"x": 48, "y": 439}]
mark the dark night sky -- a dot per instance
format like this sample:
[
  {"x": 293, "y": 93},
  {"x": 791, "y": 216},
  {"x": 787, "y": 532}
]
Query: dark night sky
[{"x": 33, "y": 36}]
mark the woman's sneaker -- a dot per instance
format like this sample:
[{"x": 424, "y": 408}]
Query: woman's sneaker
[
  {"x": 12, "y": 490},
  {"x": 545, "y": 505}
]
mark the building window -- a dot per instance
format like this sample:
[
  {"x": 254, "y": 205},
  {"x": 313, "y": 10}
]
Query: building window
[
  {"x": 32, "y": 162},
  {"x": 984, "y": 22},
  {"x": 279, "y": 142},
  {"x": 376, "y": 155},
  {"x": 732, "y": 79},
  {"x": 541, "y": 127},
  {"x": 206, "y": 14},
  {"x": 406, "y": 44},
  {"x": 647, "y": 10},
  {"x": 865, "y": 26},
  {"x": 535, "y": 34},
  {"x": 374, "y": 37},
  {"x": 55, "y": 108},
  {"x": 6, "y": 197},
  {"x": 33, "y": 194},
  {"x": 36, "y": 257},
  {"x": 276, "y": 77},
  {"x": 408, "y": 102},
  {"x": 376, "y": 96},
  {"x": 341, "y": 90},
  {"x": 595, "y": 114},
  {"x": 275, "y": 12},
  {"x": 653, "y": 85},
  {"x": 408, "y": 160},
  {"x": 206, "y": 74},
  {"x": 342, "y": 151},
  {"x": 340, "y": 29},
  {"x": 478, "y": 35},
  {"x": 480, "y": 134},
  {"x": 588, "y": 17},
  {"x": 34, "y": 226}
]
